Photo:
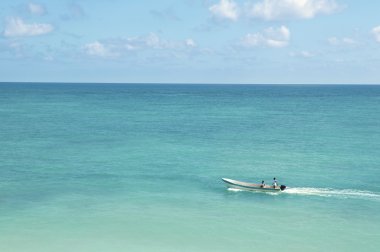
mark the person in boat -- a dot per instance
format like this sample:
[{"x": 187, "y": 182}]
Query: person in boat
[
  {"x": 274, "y": 182},
  {"x": 262, "y": 184}
]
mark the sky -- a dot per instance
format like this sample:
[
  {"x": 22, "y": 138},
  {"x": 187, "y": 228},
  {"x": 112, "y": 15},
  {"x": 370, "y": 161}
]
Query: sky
[{"x": 191, "y": 41}]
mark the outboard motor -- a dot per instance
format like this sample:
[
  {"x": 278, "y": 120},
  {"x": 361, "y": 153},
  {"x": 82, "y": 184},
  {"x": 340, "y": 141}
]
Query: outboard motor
[{"x": 282, "y": 187}]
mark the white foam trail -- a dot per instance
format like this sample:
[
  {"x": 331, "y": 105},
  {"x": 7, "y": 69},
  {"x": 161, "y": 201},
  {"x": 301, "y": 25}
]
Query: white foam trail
[
  {"x": 251, "y": 191},
  {"x": 330, "y": 192},
  {"x": 234, "y": 190}
]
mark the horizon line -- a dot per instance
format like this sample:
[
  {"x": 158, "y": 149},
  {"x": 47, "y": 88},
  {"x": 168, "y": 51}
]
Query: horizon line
[{"x": 185, "y": 83}]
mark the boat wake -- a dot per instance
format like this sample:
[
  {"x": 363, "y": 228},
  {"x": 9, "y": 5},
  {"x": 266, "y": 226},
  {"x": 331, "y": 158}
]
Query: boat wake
[
  {"x": 253, "y": 191},
  {"x": 325, "y": 192},
  {"x": 234, "y": 190},
  {"x": 330, "y": 192}
]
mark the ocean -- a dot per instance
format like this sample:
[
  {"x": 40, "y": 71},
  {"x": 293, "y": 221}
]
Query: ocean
[{"x": 138, "y": 167}]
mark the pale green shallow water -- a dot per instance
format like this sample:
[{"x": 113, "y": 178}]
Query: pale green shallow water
[{"x": 101, "y": 167}]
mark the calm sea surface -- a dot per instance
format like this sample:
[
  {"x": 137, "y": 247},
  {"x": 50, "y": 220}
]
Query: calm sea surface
[{"x": 105, "y": 167}]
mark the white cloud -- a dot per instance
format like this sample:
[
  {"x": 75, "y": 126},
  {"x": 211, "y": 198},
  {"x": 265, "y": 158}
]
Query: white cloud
[
  {"x": 306, "y": 54},
  {"x": 286, "y": 9},
  {"x": 341, "y": 41},
  {"x": 303, "y": 54},
  {"x": 226, "y": 9},
  {"x": 376, "y": 33},
  {"x": 114, "y": 48},
  {"x": 333, "y": 41},
  {"x": 48, "y": 57},
  {"x": 150, "y": 41},
  {"x": 271, "y": 37},
  {"x": 153, "y": 41},
  {"x": 100, "y": 50},
  {"x": 190, "y": 43},
  {"x": 36, "y": 9},
  {"x": 16, "y": 27}
]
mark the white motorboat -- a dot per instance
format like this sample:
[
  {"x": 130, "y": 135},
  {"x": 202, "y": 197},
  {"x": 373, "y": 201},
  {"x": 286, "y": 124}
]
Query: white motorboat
[{"x": 252, "y": 187}]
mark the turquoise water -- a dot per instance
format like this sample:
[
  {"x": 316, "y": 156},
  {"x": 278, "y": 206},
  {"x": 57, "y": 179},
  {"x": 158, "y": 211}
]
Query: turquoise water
[{"x": 105, "y": 167}]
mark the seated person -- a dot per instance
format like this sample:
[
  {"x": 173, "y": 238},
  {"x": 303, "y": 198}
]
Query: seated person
[{"x": 262, "y": 184}]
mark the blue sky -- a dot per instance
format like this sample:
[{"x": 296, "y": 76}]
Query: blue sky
[{"x": 190, "y": 41}]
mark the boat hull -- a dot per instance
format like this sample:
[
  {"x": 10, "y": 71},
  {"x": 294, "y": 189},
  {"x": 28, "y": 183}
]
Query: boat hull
[{"x": 235, "y": 184}]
